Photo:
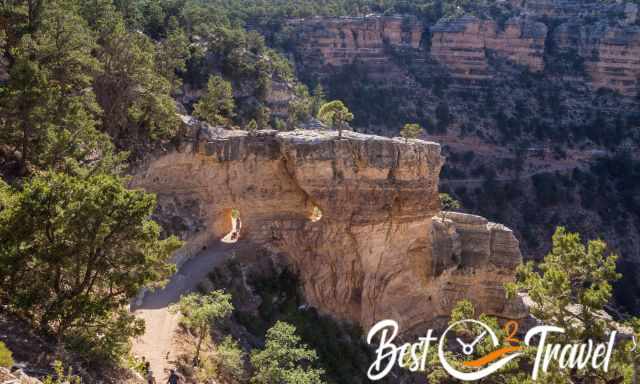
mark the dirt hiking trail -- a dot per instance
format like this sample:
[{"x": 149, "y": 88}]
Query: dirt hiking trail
[{"x": 156, "y": 345}]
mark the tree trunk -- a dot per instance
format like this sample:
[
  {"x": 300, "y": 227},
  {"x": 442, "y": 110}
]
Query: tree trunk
[
  {"x": 196, "y": 358},
  {"x": 25, "y": 149}
]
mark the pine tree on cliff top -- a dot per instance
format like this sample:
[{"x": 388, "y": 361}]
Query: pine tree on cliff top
[{"x": 336, "y": 115}]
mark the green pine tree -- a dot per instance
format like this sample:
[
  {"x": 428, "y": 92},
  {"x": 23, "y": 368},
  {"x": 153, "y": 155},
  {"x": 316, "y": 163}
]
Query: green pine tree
[{"x": 216, "y": 106}]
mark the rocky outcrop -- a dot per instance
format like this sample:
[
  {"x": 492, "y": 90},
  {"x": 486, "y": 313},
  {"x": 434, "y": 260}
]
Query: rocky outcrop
[
  {"x": 280, "y": 95},
  {"x": 461, "y": 44},
  {"x": 340, "y": 41},
  {"x": 18, "y": 377},
  {"x": 377, "y": 251},
  {"x": 611, "y": 53}
]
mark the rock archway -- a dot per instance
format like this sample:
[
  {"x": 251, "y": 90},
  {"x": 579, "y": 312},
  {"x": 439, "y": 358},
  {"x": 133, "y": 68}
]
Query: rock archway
[{"x": 374, "y": 254}]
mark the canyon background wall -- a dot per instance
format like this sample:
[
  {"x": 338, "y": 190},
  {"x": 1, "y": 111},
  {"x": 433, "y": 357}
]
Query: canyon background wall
[{"x": 536, "y": 106}]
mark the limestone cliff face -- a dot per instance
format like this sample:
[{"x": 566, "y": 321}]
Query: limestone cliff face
[
  {"x": 611, "y": 53},
  {"x": 376, "y": 253},
  {"x": 606, "y": 36},
  {"x": 461, "y": 44},
  {"x": 340, "y": 41}
]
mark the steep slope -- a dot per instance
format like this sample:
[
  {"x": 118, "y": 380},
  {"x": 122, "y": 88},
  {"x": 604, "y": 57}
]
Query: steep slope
[{"x": 551, "y": 86}]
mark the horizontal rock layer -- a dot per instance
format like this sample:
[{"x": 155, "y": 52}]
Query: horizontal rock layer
[
  {"x": 611, "y": 53},
  {"x": 340, "y": 41},
  {"x": 606, "y": 36},
  {"x": 461, "y": 44},
  {"x": 376, "y": 253}
]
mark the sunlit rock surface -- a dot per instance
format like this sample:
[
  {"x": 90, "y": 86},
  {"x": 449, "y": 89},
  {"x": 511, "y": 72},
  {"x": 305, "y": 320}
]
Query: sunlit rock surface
[{"x": 377, "y": 252}]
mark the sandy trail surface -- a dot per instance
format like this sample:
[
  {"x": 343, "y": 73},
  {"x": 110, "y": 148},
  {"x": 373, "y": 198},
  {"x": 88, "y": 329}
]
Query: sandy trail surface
[{"x": 157, "y": 344}]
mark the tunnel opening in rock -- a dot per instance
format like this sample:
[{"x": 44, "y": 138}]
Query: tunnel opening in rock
[
  {"x": 316, "y": 214},
  {"x": 232, "y": 216}
]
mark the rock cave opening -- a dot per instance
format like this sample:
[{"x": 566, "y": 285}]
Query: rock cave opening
[
  {"x": 316, "y": 214},
  {"x": 235, "y": 223}
]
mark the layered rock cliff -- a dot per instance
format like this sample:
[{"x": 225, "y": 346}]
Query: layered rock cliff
[
  {"x": 377, "y": 252},
  {"x": 335, "y": 42},
  {"x": 461, "y": 44},
  {"x": 606, "y": 36},
  {"x": 611, "y": 53}
]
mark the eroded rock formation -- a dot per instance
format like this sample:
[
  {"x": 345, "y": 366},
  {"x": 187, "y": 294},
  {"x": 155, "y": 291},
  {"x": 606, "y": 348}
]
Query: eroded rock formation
[
  {"x": 461, "y": 44},
  {"x": 340, "y": 41},
  {"x": 611, "y": 53},
  {"x": 17, "y": 377},
  {"x": 376, "y": 253},
  {"x": 606, "y": 36}
]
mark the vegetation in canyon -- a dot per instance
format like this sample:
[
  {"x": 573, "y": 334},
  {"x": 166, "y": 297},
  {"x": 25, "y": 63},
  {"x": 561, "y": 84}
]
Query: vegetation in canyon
[{"x": 91, "y": 87}]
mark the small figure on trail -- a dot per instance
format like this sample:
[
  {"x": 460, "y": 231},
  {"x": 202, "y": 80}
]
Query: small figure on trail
[
  {"x": 149, "y": 373},
  {"x": 173, "y": 377}
]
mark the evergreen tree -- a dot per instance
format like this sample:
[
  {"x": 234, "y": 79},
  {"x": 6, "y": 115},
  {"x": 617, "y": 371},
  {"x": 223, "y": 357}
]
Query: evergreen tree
[
  {"x": 570, "y": 289},
  {"x": 318, "y": 100},
  {"x": 199, "y": 311},
  {"x": 336, "y": 115},
  {"x": 75, "y": 250},
  {"x": 50, "y": 113},
  {"x": 134, "y": 97},
  {"x": 284, "y": 359},
  {"x": 216, "y": 105},
  {"x": 172, "y": 56},
  {"x": 252, "y": 127},
  {"x": 411, "y": 131},
  {"x": 299, "y": 108},
  {"x": 263, "y": 116}
]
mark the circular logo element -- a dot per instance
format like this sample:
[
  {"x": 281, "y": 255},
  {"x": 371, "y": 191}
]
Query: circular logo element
[{"x": 492, "y": 361}]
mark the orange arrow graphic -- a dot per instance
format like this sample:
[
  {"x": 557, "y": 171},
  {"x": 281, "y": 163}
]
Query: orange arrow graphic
[{"x": 495, "y": 355}]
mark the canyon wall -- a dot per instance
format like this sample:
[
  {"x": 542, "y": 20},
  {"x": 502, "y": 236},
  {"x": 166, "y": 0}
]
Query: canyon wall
[
  {"x": 461, "y": 44},
  {"x": 340, "y": 41},
  {"x": 606, "y": 36},
  {"x": 611, "y": 53},
  {"x": 382, "y": 248}
]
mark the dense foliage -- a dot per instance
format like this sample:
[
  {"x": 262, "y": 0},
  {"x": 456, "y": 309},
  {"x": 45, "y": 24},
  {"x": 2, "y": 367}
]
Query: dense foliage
[
  {"x": 200, "y": 311},
  {"x": 76, "y": 244},
  {"x": 227, "y": 362},
  {"x": 6, "y": 357},
  {"x": 411, "y": 131},
  {"x": 570, "y": 289},
  {"x": 284, "y": 359},
  {"x": 73, "y": 251},
  {"x": 216, "y": 105}
]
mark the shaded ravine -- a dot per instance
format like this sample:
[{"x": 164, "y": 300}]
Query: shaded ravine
[{"x": 157, "y": 345}]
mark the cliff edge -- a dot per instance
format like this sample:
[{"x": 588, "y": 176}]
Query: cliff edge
[{"x": 357, "y": 218}]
